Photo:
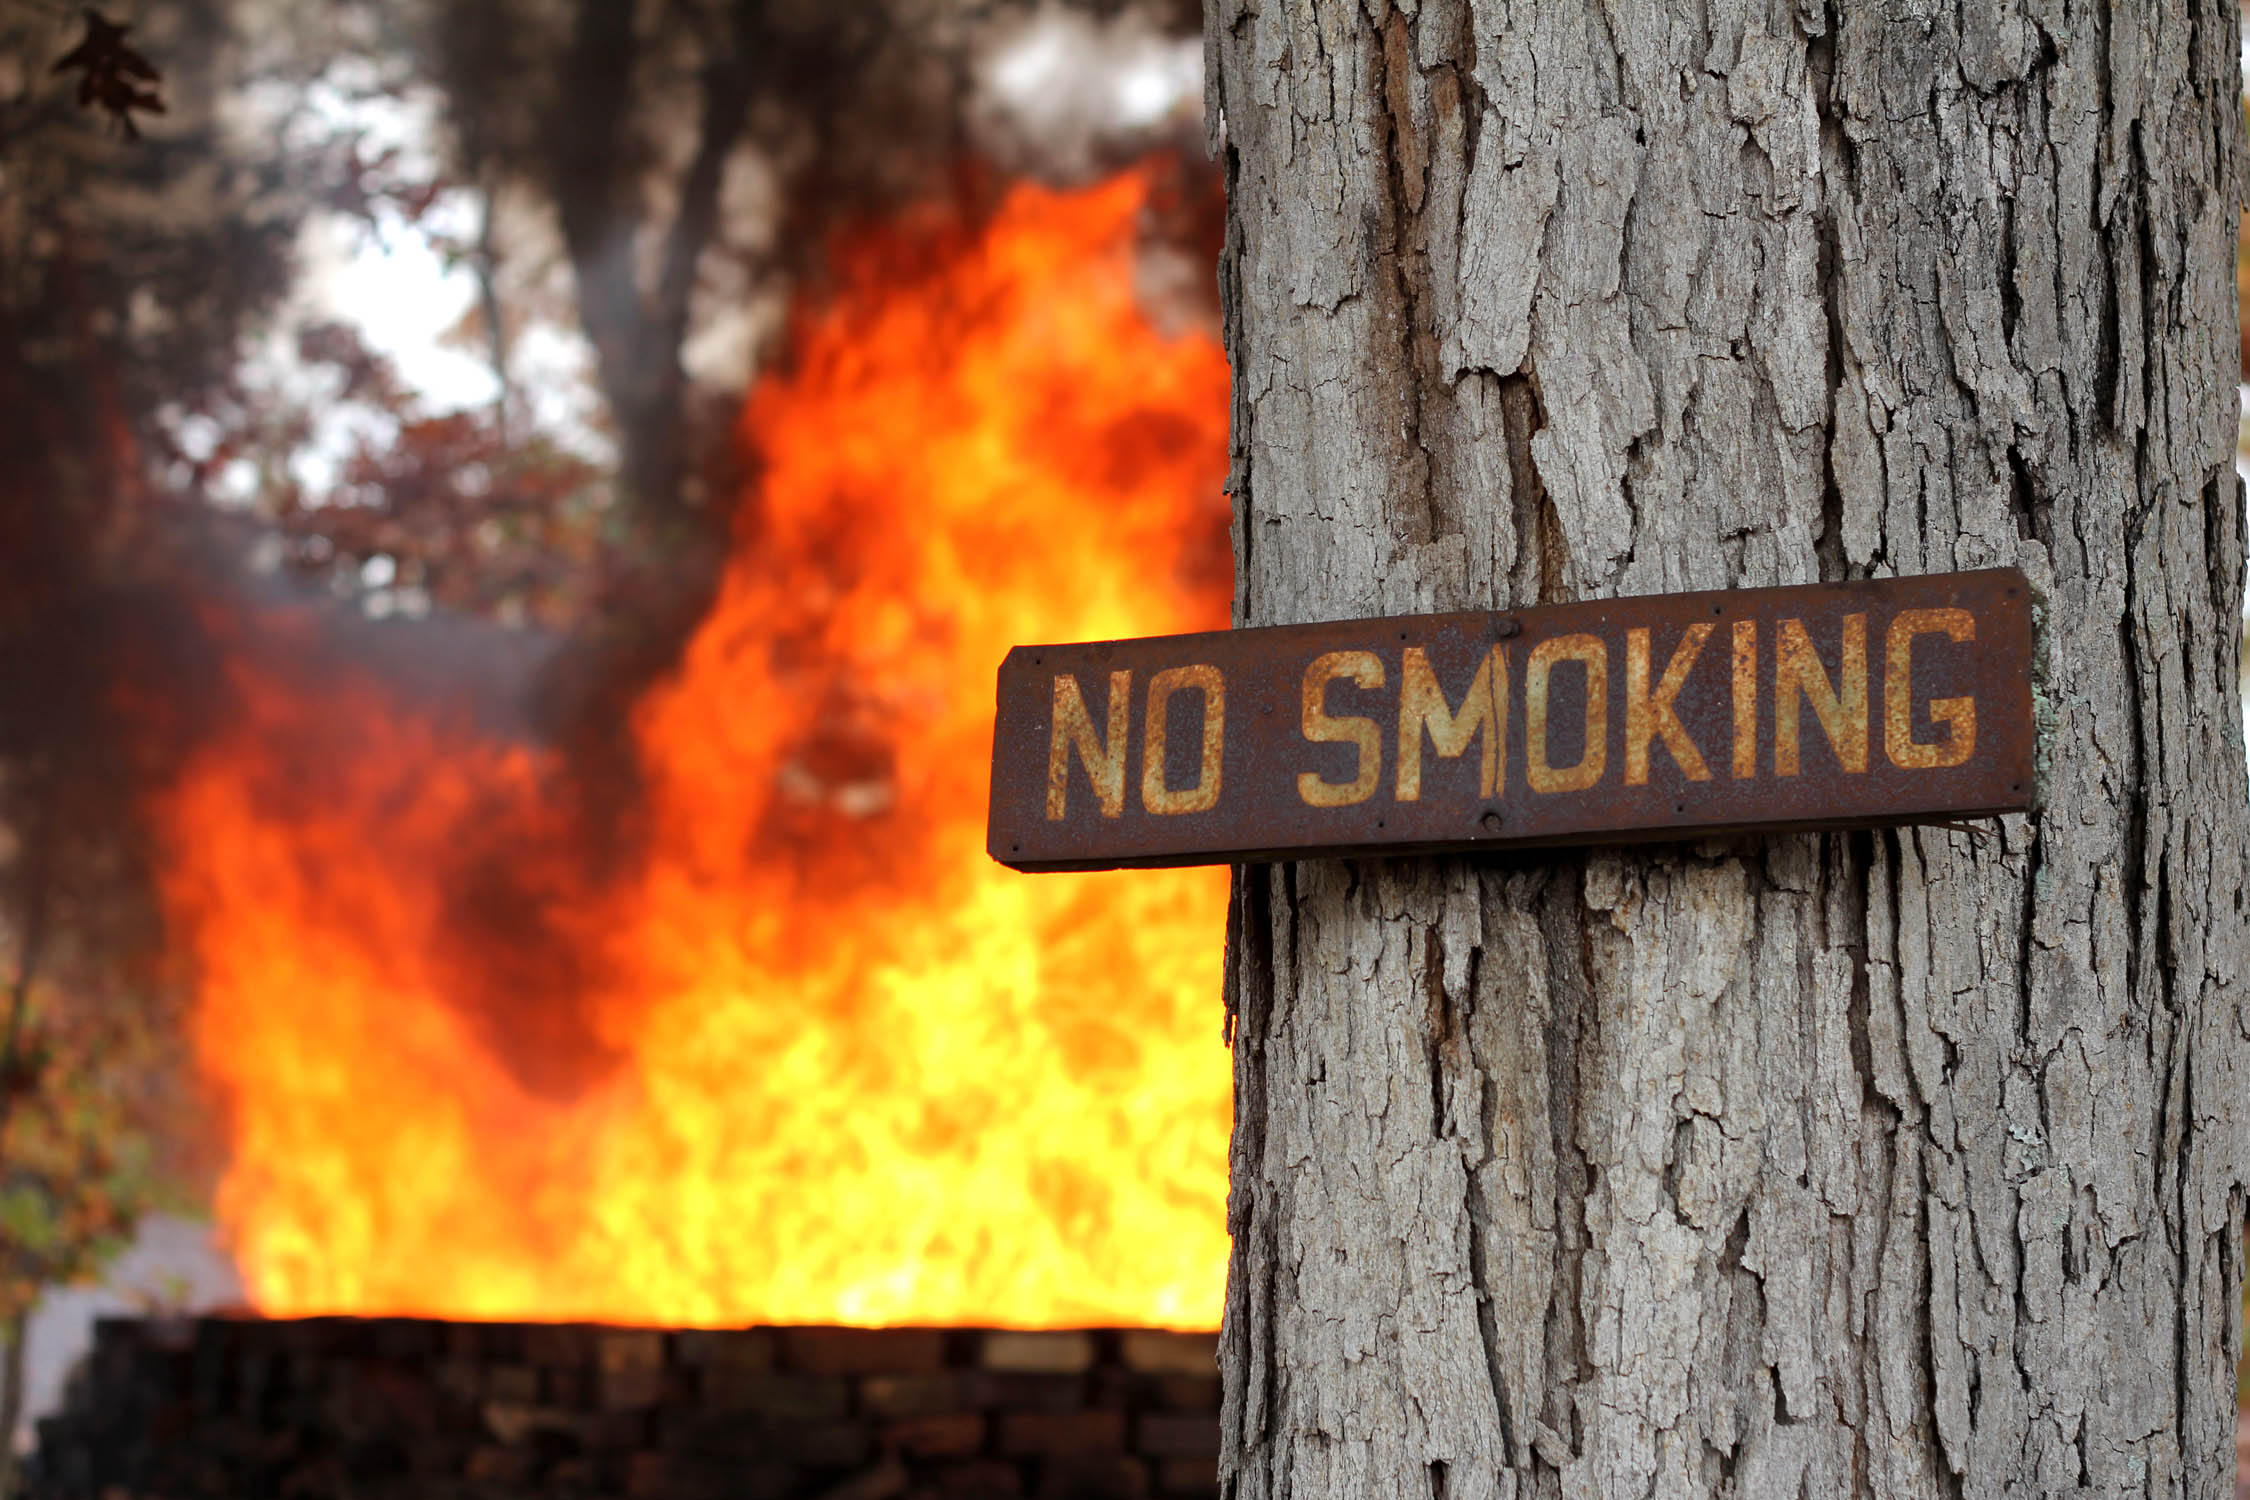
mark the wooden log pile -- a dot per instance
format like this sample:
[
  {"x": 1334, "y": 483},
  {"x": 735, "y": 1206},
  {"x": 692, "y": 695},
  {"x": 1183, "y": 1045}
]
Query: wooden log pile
[{"x": 385, "y": 1409}]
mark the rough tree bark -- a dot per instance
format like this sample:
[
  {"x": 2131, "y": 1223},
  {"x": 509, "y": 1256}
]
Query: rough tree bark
[{"x": 1896, "y": 1163}]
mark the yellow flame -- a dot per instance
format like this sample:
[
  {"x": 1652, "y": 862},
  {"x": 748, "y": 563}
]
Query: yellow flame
[{"x": 855, "y": 1072}]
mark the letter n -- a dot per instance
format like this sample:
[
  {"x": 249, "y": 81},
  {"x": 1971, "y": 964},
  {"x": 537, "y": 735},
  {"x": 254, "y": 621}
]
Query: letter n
[
  {"x": 1103, "y": 757},
  {"x": 1841, "y": 709}
]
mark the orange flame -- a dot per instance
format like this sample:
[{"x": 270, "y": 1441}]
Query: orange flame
[{"x": 852, "y": 1071}]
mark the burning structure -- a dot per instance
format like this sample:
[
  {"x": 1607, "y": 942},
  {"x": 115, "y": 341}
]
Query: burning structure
[
  {"x": 651, "y": 976},
  {"x": 802, "y": 1054}
]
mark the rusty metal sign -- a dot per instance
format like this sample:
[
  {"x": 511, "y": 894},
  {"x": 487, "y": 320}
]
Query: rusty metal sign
[{"x": 1823, "y": 706}]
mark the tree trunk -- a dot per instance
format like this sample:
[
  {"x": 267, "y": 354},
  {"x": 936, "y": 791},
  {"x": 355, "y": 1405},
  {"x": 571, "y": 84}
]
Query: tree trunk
[
  {"x": 638, "y": 323},
  {"x": 1895, "y": 1163}
]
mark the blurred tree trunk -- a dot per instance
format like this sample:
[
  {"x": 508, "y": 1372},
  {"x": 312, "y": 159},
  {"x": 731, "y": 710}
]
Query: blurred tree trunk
[
  {"x": 1893, "y": 1163},
  {"x": 635, "y": 307}
]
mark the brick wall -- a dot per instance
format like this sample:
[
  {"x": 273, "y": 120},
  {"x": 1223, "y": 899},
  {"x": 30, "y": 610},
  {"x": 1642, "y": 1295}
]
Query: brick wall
[{"x": 385, "y": 1409}]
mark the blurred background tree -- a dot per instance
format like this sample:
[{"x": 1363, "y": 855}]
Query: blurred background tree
[{"x": 129, "y": 267}]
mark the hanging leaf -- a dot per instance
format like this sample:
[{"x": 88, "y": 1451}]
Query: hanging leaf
[{"x": 113, "y": 75}]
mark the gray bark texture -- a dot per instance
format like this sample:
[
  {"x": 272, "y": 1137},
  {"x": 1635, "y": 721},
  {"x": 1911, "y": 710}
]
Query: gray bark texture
[{"x": 1875, "y": 1164}]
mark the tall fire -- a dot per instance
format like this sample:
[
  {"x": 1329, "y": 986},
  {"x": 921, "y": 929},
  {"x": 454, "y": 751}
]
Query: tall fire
[{"x": 835, "y": 1066}]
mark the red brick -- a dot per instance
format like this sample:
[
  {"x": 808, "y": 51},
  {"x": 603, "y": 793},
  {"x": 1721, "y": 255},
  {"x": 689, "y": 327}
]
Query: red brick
[
  {"x": 617, "y": 1431},
  {"x": 632, "y": 1389},
  {"x": 932, "y": 1394},
  {"x": 500, "y": 1343},
  {"x": 980, "y": 1481},
  {"x": 778, "y": 1397},
  {"x": 571, "y": 1476},
  {"x": 314, "y": 1336},
  {"x": 1024, "y": 1433},
  {"x": 1188, "y": 1476},
  {"x": 885, "y": 1480},
  {"x": 498, "y": 1466},
  {"x": 1183, "y": 1392},
  {"x": 1093, "y": 1476},
  {"x": 559, "y": 1343},
  {"x": 512, "y": 1424},
  {"x": 822, "y": 1445},
  {"x": 567, "y": 1385},
  {"x": 1002, "y": 1391},
  {"x": 960, "y": 1435},
  {"x": 687, "y": 1478},
  {"x": 864, "y": 1351},
  {"x": 1051, "y": 1353},
  {"x": 460, "y": 1379},
  {"x": 513, "y": 1383},
  {"x": 430, "y": 1455},
  {"x": 646, "y": 1477},
  {"x": 629, "y": 1349},
  {"x": 1168, "y": 1435},
  {"x": 1116, "y": 1387},
  {"x": 742, "y": 1348},
  {"x": 713, "y": 1437},
  {"x": 1156, "y": 1352}
]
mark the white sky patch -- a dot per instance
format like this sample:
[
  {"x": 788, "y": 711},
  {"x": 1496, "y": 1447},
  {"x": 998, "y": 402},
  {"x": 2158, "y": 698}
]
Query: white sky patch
[
  {"x": 1060, "y": 84},
  {"x": 402, "y": 285},
  {"x": 390, "y": 278},
  {"x": 396, "y": 288},
  {"x": 387, "y": 278}
]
